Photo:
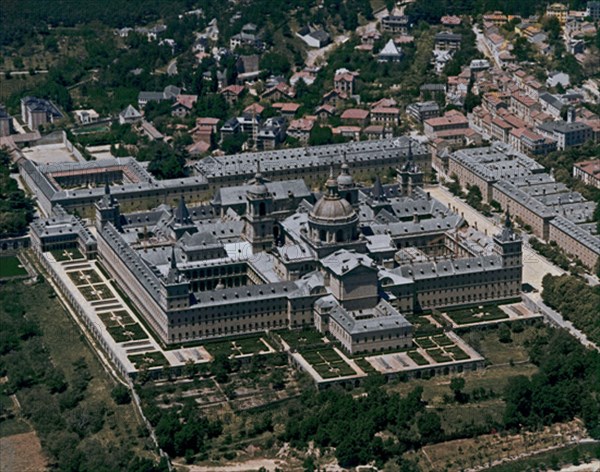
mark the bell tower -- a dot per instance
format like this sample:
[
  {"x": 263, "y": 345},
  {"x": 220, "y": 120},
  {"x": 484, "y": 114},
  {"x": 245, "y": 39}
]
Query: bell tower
[
  {"x": 508, "y": 245},
  {"x": 108, "y": 210},
  {"x": 259, "y": 222}
]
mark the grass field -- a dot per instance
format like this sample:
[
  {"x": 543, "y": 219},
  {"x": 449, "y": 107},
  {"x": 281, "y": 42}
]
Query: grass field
[
  {"x": 10, "y": 266},
  {"x": 487, "y": 343}
]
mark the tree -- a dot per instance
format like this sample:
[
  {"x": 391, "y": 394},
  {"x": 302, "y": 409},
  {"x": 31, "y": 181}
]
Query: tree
[
  {"x": 320, "y": 135},
  {"x": 504, "y": 335},
  {"x": 233, "y": 143},
  {"x": 275, "y": 63},
  {"x": 430, "y": 427},
  {"x": 121, "y": 395},
  {"x": 457, "y": 384}
]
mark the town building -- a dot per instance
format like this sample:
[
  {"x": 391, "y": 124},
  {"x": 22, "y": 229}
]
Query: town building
[
  {"x": 515, "y": 181},
  {"x": 38, "y": 111},
  {"x": 6, "y": 123},
  {"x": 129, "y": 116},
  {"x": 422, "y": 111},
  {"x": 567, "y": 134},
  {"x": 588, "y": 172},
  {"x": 447, "y": 41},
  {"x": 390, "y": 53},
  {"x": 558, "y": 11}
]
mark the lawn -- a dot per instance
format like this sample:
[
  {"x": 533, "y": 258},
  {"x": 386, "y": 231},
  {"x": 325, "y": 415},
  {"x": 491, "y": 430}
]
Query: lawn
[
  {"x": 132, "y": 332},
  {"x": 10, "y": 266},
  {"x": 299, "y": 338},
  {"x": 443, "y": 340},
  {"x": 88, "y": 293},
  {"x": 477, "y": 314},
  {"x": 238, "y": 346},
  {"x": 62, "y": 255},
  {"x": 423, "y": 326},
  {"x": 151, "y": 359},
  {"x": 425, "y": 343},
  {"x": 365, "y": 366},
  {"x": 457, "y": 353}
]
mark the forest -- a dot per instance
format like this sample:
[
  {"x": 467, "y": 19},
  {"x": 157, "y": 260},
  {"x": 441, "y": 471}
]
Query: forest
[{"x": 62, "y": 394}]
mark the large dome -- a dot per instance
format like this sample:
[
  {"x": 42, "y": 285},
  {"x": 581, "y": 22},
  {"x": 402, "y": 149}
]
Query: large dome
[{"x": 332, "y": 210}]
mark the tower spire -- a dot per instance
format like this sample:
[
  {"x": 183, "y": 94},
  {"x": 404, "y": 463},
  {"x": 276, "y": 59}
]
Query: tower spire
[
  {"x": 331, "y": 183},
  {"x": 173, "y": 259}
]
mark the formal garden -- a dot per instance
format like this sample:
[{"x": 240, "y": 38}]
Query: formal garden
[
  {"x": 66, "y": 255},
  {"x": 327, "y": 362},
  {"x": 478, "y": 314},
  {"x": 240, "y": 346}
]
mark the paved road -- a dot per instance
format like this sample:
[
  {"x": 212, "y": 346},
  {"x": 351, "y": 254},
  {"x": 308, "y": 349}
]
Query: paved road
[
  {"x": 483, "y": 47},
  {"x": 172, "y": 67},
  {"x": 23, "y": 72},
  {"x": 534, "y": 265}
]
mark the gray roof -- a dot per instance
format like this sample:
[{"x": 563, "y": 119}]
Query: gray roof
[
  {"x": 563, "y": 127},
  {"x": 449, "y": 268},
  {"x": 447, "y": 36},
  {"x": 551, "y": 100},
  {"x": 279, "y": 190},
  {"x": 341, "y": 262},
  {"x": 384, "y": 317},
  {"x": 41, "y": 104},
  {"x": 130, "y": 112},
  {"x": 151, "y": 96},
  {"x": 580, "y": 234}
]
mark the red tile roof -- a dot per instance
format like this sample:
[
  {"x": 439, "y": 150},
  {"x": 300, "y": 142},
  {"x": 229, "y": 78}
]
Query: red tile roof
[{"x": 355, "y": 114}]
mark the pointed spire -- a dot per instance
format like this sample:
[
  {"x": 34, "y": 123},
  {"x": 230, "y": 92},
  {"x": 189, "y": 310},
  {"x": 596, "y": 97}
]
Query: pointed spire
[
  {"x": 378, "y": 191},
  {"x": 331, "y": 183},
  {"x": 173, "y": 258},
  {"x": 508, "y": 221},
  {"x": 107, "y": 199},
  {"x": 182, "y": 214},
  {"x": 258, "y": 176}
]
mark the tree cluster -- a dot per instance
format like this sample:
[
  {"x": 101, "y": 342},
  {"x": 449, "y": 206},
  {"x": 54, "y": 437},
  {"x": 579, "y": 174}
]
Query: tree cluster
[
  {"x": 336, "y": 419},
  {"x": 566, "y": 386},
  {"x": 576, "y": 301},
  {"x": 16, "y": 209}
]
